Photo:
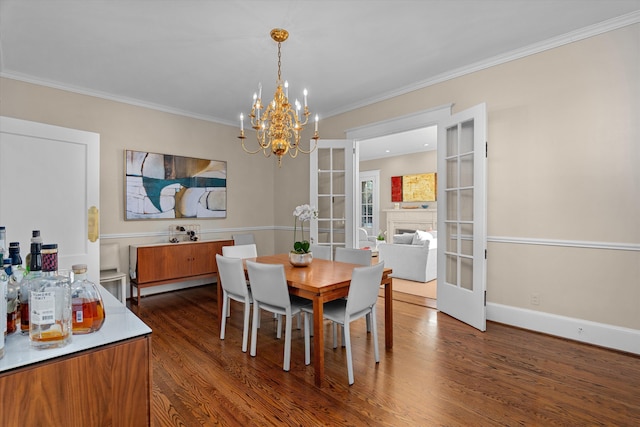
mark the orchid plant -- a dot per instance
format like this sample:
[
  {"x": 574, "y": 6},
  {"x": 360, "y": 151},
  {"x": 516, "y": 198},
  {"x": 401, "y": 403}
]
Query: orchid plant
[{"x": 302, "y": 213}]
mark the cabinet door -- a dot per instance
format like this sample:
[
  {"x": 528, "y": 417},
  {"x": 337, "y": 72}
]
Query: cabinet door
[
  {"x": 158, "y": 263},
  {"x": 203, "y": 257}
]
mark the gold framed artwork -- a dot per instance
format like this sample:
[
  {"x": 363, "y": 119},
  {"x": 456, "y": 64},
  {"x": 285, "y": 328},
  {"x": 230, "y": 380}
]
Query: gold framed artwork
[{"x": 420, "y": 187}]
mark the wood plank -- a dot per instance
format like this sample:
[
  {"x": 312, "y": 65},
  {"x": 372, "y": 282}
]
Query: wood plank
[{"x": 439, "y": 372}]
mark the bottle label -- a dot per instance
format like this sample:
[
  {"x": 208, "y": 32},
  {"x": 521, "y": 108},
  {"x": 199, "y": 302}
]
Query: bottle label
[
  {"x": 43, "y": 308},
  {"x": 79, "y": 316}
]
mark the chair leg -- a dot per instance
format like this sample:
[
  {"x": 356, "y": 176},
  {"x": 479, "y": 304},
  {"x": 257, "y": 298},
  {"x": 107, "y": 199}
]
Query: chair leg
[
  {"x": 347, "y": 339},
  {"x": 123, "y": 290},
  {"x": 287, "y": 342},
  {"x": 223, "y": 319},
  {"x": 279, "y": 327},
  {"x": 368, "y": 319},
  {"x": 254, "y": 328},
  {"x": 335, "y": 334},
  {"x": 245, "y": 329},
  {"x": 374, "y": 331},
  {"x": 307, "y": 339}
]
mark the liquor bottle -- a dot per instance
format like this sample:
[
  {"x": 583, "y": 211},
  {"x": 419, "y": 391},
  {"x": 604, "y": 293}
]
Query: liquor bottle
[
  {"x": 13, "y": 289},
  {"x": 87, "y": 306},
  {"x": 35, "y": 272},
  {"x": 50, "y": 304},
  {"x": 6, "y": 269},
  {"x": 35, "y": 238},
  {"x": 3, "y": 242},
  {"x": 4, "y": 280}
]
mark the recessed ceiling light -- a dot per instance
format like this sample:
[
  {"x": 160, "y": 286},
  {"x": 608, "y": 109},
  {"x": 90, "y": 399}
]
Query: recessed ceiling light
[
  {"x": 426, "y": 145},
  {"x": 387, "y": 151}
]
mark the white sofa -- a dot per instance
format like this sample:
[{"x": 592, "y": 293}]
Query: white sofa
[{"x": 412, "y": 256}]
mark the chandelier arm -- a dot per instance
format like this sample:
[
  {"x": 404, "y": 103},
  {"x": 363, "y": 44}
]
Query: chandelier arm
[
  {"x": 315, "y": 145},
  {"x": 249, "y": 151}
]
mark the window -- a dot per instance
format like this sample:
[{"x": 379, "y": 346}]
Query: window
[{"x": 369, "y": 202}]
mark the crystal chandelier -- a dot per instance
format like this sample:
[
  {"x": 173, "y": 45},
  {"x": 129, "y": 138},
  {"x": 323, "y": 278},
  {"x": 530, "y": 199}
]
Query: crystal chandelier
[{"x": 278, "y": 128}]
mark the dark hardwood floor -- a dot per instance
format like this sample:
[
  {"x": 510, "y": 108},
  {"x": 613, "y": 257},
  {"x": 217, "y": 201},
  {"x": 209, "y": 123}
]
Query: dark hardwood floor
[{"x": 439, "y": 372}]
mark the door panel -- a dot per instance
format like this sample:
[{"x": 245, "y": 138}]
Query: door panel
[
  {"x": 331, "y": 191},
  {"x": 462, "y": 216},
  {"x": 49, "y": 179}
]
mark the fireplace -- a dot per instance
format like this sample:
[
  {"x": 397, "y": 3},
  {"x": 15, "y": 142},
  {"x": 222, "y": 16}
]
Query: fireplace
[{"x": 409, "y": 220}]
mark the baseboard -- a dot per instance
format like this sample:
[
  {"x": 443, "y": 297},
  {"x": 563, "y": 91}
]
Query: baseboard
[{"x": 600, "y": 334}]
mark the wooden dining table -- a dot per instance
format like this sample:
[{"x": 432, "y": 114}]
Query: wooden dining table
[{"x": 323, "y": 281}]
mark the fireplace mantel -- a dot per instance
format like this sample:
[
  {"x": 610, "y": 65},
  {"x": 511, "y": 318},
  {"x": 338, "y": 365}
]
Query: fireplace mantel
[{"x": 410, "y": 219}]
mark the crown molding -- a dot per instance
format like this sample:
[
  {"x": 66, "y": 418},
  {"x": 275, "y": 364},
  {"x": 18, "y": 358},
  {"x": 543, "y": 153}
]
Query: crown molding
[
  {"x": 580, "y": 34},
  {"x": 552, "y": 43}
]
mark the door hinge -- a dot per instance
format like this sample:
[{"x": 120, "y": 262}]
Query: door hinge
[
  {"x": 485, "y": 298},
  {"x": 485, "y": 254},
  {"x": 486, "y": 149}
]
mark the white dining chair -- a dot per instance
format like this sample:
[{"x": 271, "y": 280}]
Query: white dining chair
[
  {"x": 270, "y": 292},
  {"x": 243, "y": 239},
  {"x": 352, "y": 256},
  {"x": 240, "y": 251},
  {"x": 361, "y": 300},
  {"x": 321, "y": 251},
  {"x": 110, "y": 269},
  {"x": 234, "y": 287}
]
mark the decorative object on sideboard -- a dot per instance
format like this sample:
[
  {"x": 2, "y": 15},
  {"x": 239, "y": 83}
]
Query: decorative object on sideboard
[
  {"x": 278, "y": 128},
  {"x": 184, "y": 233},
  {"x": 165, "y": 186}
]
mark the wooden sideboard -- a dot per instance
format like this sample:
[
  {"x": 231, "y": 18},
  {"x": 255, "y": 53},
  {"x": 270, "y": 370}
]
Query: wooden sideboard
[
  {"x": 160, "y": 264},
  {"x": 105, "y": 386}
]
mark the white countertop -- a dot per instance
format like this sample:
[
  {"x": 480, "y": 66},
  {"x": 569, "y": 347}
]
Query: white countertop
[{"x": 120, "y": 324}]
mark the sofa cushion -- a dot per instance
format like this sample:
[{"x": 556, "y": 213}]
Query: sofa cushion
[
  {"x": 420, "y": 237},
  {"x": 403, "y": 239}
]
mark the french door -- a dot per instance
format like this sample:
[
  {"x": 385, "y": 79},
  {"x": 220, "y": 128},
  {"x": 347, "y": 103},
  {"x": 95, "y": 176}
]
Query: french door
[
  {"x": 332, "y": 171},
  {"x": 462, "y": 216}
]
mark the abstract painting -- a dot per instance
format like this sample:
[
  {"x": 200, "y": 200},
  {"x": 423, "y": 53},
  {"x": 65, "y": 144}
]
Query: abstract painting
[
  {"x": 165, "y": 186},
  {"x": 419, "y": 187}
]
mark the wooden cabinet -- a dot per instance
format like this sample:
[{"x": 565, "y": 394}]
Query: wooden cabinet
[
  {"x": 174, "y": 262},
  {"x": 90, "y": 388}
]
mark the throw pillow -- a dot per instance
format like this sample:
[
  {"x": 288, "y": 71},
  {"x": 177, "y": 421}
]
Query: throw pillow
[
  {"x": 420, "y": 237},
  {"x": 403, "y": 239}
]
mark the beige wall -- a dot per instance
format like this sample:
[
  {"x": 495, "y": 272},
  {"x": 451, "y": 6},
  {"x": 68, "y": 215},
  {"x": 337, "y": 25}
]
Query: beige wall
[
  {"x": 562, "y": 167},
  {"x": 408, "y": 164},
  {"x": 122, "y": 126},
  {"x": 563, "y": 133}
]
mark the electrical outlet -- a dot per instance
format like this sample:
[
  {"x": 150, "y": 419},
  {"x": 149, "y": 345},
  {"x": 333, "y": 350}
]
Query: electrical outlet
[{"x": 535, "y": 299}]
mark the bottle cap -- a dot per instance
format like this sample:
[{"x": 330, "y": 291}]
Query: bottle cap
[
  {"x": 79, "y": 268},
  {"x": 50, "y": 246}
]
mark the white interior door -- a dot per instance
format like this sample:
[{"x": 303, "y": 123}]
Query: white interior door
[
  {"x": 462, "y": 216},
  {"x": 332, "y": 189},
  {"x": 49, "y": 179}
]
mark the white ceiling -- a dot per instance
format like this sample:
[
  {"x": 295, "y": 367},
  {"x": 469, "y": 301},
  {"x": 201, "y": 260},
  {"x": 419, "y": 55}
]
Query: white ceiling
[{"x": 204, "y": 58}]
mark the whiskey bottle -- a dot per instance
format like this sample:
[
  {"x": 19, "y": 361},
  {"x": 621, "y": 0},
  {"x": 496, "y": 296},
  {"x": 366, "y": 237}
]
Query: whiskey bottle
[
  {"x": 4, "y": 280},
  {"x": 87, "y": 306},
  {"x": 35, "y": 272},
  {"x": 13, "y": 289},
  {"x": 50, "y": 304}
]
